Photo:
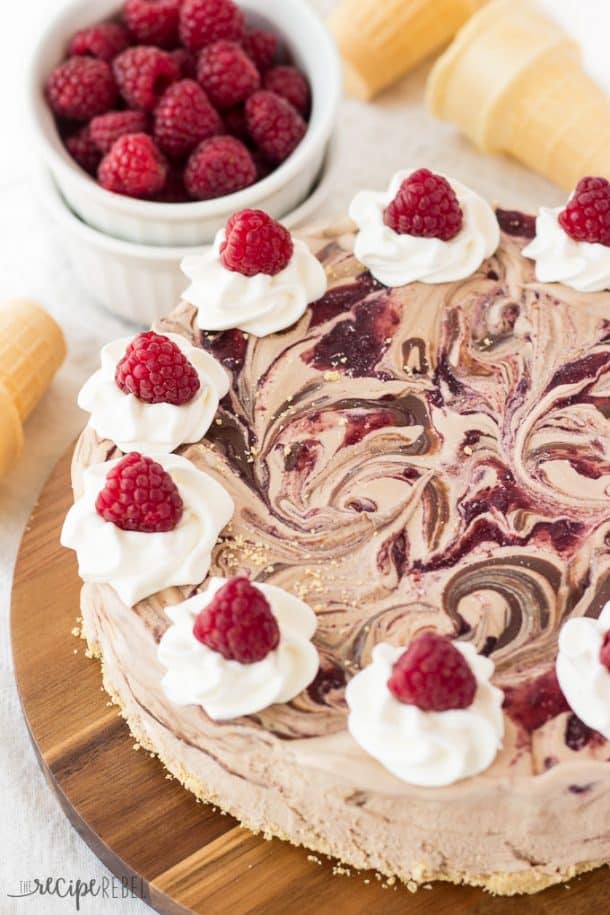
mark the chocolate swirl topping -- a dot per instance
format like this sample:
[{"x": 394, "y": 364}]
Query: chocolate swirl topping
[{"x": 427, "y": 456}]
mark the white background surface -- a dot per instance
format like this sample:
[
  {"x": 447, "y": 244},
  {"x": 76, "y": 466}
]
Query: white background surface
[{"x": 35, "y": 838}]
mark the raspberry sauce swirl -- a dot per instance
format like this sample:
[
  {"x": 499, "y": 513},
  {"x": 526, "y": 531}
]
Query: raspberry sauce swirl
[{"x": 424, "y": 456}]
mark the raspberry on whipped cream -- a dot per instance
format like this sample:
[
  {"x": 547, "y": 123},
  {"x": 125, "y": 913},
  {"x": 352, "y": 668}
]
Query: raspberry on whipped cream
[
  {"x": 587, "y": 213},
  {"x": 254, "y": 277},
  {"x": 256, "y": 243},
  {"x": 136, "y": 424},
  {"x": 427, "y": 747},
  {"x": 425, "y": 206},
  {"x": 433, "y": 675},
  {"x": 155, "y": 370},
  {"x": 239, "y": 623},
  {"x": 198, "y": 674},
  {"x": 139, "y": 495},
  {"x": 572, "y": 243},
  {"x": 138, "y": 563},
  {"x": 583, "y": 671},
  {"x": 457, "y": 233}
]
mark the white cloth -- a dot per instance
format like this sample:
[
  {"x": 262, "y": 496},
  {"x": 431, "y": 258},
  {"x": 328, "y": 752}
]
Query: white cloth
[{"x": 376, "y": 140}]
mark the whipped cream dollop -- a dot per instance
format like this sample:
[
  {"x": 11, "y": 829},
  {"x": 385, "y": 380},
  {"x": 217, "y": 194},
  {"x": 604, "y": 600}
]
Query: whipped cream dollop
[
  {"x": 137, "y": 564},
  {"x": 198, "y": 675},
  {"x": 396, "y": 260},
  {"x": 259, "y": 304},
  {"x": 583, "y": 265},
  {"x": 425, "y": 748},
  {"x": 584, "y": 680},
  {"x": 153, "y": 428}
]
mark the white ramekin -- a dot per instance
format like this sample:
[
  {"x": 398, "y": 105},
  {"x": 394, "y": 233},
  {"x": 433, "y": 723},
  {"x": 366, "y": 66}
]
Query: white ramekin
[
  {"x": 191, "y": 223},
  {"x": 141, "y": 282}
]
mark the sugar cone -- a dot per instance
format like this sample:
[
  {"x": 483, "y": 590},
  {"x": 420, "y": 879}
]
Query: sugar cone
[
  {"x": 11, "y": 432},
  {"x": 513, "y": 82},
  {"x": 32, "y": 348},
  {"x": 380, "y": 40}
]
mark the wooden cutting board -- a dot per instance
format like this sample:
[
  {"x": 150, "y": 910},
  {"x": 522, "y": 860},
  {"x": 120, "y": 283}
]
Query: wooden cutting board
[{"x": 190, "y": 858}]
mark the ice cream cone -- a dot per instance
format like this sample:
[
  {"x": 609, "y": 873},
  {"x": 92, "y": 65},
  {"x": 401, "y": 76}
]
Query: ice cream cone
[
  {"x": 32, "y": 348},
  {"x": 513, "y": 82},
  {"x": 11, "y": 432},
  {"x": 380, "y": 40}
]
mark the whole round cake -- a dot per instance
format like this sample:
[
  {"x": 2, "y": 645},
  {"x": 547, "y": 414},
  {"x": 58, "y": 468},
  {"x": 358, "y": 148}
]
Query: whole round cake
[{"x": 348, "y": 581}]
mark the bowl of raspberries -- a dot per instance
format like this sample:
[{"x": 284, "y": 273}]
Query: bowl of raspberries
[{"x": 159, "y": 118}]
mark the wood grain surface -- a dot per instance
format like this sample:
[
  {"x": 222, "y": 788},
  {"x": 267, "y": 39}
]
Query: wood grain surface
[{"x": 190, "y": 857}]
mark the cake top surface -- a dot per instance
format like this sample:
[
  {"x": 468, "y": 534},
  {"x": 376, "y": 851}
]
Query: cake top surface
[{"x": 415, "y": 457}]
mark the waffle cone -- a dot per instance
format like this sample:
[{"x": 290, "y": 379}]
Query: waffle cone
[
  {"x": 380, "y": 40},
  {"x": 513, "y": 82},
  {"x": 32, "y": 348},
  {"x": 11, "y": 432}
]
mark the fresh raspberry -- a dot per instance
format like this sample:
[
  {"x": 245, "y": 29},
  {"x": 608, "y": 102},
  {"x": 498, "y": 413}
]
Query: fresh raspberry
[
  {"x": 134, "y": 167},
  {"x": 83, "y": 149},
  {"x": 587, "y": 215},
  {"x": 219, "y": 166},
  {"x": 255, "y": 243},
  {"x": 143, "y": 74},
  {"x": 186, "y": 62},
  {"x": 153, "y": 22},
  {"x": 274, "y": 125},
  {"x": 425, "y": 206},
  {"x": 107, "y": 128},
  {"x": 155, "y": 370},
  {"x": 291, "y": 85},
  {"x": 261, "y": 47},
  {"x": 238, "y": 623},
  {"x": 604, "y": 654},
  {"x": 80, "y": 88},
  {"x": 205, "y": 21},
  {"x": 140, "y": 495},
  {"x": 183, "y": 118},
  {"x": 227, "y": 74},
  {"x": 104, "y": 41},
  {"x": 433, "y": 675},
  {"x": 235, "y": 123}
]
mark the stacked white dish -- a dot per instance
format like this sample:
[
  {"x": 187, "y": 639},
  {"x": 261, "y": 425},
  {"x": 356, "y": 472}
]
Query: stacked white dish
[{"x": 127, "y": 252}]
